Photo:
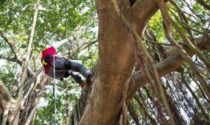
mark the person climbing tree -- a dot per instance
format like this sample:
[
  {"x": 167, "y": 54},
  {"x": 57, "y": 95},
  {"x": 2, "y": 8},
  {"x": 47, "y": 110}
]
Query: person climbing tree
[{"x": 59, "y": 67}]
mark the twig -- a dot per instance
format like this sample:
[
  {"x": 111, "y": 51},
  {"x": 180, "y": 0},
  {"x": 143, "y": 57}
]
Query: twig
[
  {"x": 190, "y": 8},
  {"x": 201, "y": 90},
  {"x": 12, "y": 47},
  {"x": 30, "y": 118},
  {"x": 88, "y": 44},
  {"x": 85, "y": 46},
  {"x": 11, "y": 59},
  {"x": 146, "y": 112},
  {"x": 133, "y": 113},
  {"x": 195, "y": 97},
  {"x": 204, "y": 4}
]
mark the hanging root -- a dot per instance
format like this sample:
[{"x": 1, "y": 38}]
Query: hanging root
[{"x": 151, "y": 71}]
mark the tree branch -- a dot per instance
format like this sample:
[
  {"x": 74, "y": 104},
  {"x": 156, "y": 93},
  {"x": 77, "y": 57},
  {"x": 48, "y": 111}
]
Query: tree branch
[
  {"x": 133, "y": 114},
  {"x": 11, "y": 59},
  {"x": 6, "y": 39},
  {"x": 6, "y": 103},
  {"x": 142, "y": 11},
  {"x": 30, "y": 117},
  {"x": 170, "y": 64},
  {"x": 16, "y": 58},
  {"x": 4, "y": 93},
  {"x": 204, "y": 4}
]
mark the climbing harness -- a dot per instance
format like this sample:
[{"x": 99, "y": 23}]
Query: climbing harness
[{"x": 54, "y": 94}]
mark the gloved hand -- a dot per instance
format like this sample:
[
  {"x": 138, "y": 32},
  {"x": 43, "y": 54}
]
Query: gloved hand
[
  {"x": 82, "y": 84},
  {"x": 89, "y": 79},
  {"x": 78, "y": 79}
]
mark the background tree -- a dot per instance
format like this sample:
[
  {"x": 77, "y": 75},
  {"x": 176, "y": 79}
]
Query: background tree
[
  {"x": 153, "y": 61},
  {"x": 76, "y": 23}
]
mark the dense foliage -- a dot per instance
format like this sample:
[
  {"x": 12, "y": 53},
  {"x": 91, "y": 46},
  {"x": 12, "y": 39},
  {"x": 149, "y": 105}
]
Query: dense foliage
[{"x": 57, "y": 20}]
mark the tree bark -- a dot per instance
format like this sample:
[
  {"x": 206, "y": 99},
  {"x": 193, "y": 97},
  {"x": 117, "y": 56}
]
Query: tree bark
[{"x": 116, "y": 61}]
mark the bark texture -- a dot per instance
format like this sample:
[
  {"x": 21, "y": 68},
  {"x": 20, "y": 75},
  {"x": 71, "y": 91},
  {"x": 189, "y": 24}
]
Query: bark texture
[
  {"x": 116, "y": 59},
  {"x": 115, "y": 66}
]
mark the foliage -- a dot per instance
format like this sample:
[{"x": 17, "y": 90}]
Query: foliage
[{"x": 57, "y": 20}]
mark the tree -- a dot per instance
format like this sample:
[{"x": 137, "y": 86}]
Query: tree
[
  {"x": 153, "y": 63},
  {"x": 121, "y": 44}
]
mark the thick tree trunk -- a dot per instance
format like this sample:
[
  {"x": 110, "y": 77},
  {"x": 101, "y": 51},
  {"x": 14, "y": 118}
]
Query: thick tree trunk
[{"x": 116, "y": 61}]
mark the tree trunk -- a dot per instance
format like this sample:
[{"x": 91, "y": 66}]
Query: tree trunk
[{"x": 116, "y": 61}]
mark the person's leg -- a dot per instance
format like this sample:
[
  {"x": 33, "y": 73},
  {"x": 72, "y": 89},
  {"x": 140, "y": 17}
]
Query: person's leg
[{"x": 78, "y": 67}]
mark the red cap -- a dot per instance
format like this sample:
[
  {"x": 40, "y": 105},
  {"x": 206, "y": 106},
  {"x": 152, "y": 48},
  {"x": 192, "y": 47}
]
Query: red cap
[{"x": 48, "y": 51}]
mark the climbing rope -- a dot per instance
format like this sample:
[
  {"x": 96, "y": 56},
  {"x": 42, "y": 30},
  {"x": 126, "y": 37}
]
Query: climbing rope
[{"x": 54, "y": 94}]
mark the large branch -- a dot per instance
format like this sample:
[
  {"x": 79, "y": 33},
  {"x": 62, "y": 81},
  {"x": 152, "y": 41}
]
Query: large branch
[
  {"x": 141, "y": 13},
  {"x": 168, "y": 65},
  {"x": 5, "y": 96}
]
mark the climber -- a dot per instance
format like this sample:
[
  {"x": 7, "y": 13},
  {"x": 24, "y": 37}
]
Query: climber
[{"x": 64, "y": 67}]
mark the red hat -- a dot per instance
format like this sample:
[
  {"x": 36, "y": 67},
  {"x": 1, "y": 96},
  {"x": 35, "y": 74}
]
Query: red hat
[{"x": 48, "y": 51}]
